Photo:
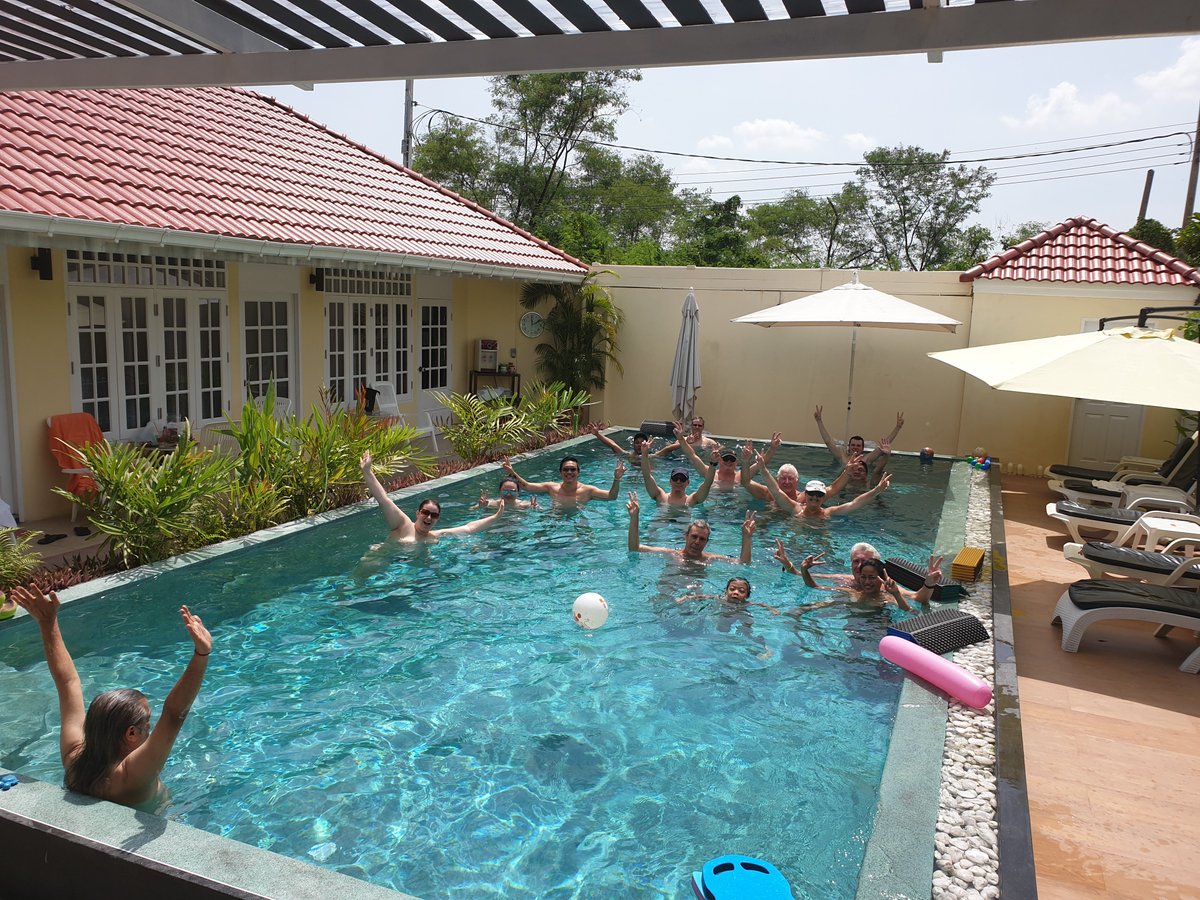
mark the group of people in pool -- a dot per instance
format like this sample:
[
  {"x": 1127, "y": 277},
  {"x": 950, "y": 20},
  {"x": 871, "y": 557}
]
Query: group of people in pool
[{"x": 114, "y": 752}]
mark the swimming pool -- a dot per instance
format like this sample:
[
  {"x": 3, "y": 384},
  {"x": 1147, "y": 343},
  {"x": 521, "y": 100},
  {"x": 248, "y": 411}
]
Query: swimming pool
[{"x": 445, "y": 729}]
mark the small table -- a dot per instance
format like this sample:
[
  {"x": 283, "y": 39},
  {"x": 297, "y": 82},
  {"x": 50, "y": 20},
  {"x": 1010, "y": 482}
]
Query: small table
[
  {"x": 513, "y": 379},
  {"x": 1163, "y": 528}
]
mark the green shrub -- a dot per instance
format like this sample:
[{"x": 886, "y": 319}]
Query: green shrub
[
  {"x": 152, "y": 505},
  {"x": 550, "y": 409},
  {"x": 18, "y": 560},
  {"x": 481, "y": 429}
]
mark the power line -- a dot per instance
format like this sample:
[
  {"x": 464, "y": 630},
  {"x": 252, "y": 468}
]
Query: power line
[{"x": 789, "y": 162}]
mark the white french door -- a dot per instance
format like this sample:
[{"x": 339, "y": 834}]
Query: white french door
[
  {"x": 142, "y": 358},
  {"x": 434, "y": 367}
]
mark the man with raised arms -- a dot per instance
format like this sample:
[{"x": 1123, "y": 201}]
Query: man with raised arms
[
  {"x": 641, "y": 444},
  {"x": 855, "y": 446},
  {"x": 420, "y": 529},
  {"x": 570, "y": 491},
  {"x": 695, "y": 538},
  {"x": 808, "y": 505},
  {"x": 697, "y": 438},
  {"x": 678, "y": 495}
]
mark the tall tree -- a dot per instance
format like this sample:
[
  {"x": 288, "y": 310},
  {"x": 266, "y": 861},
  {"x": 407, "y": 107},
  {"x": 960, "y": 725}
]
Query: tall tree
[
  {"x": 807, "y": 232},
  {"x": 918, "y": 203},
  {"x": 458, "y": 155},
  {"x": 540, "y": 120},
  {"x": 713, "y": 233}
]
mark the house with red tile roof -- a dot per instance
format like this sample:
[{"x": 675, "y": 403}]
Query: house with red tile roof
[
  {"x": 168, "y": 253},
  {"x": 1061, "y": 281}
]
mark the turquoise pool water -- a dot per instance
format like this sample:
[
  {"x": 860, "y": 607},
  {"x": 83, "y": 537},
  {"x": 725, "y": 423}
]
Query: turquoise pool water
[{"x": 444, "y": 728}]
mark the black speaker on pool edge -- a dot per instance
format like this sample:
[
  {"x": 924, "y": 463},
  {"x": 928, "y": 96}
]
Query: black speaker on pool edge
[
  {"x": 943, "y": 631},
  {"x": 658, "y": 429},
  {"x": 912, "y": 576}
]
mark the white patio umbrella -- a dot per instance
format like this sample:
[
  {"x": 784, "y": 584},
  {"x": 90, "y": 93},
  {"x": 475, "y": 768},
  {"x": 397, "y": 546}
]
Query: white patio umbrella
[
  {"x": 852, "y": 305},
  {"x": 1143, "y": 366},
  {"x": 685, "y": 373},
  {"x": 1131, "y": 364}
]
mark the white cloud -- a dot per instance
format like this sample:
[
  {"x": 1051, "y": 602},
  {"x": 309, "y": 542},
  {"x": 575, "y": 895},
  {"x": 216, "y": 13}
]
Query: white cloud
[
  {"x": 776, "y": 135},
  {"x": 1181, "y": 79},
  {"x": 714, "y": 143},
  {"x": 859, "y": 142},
  {"x": 1062, "y": 105}
]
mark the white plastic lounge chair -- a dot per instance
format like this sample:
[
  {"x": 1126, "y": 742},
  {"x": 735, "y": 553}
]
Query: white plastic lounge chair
[
  {"x": 1112, "y": 523},
  {"x": 1090, "y": 601},
  {"x": 1132, "y": 467},
  {"x": 1103, "y": 560},
  {"x": 386, "y": 404},
  {"x": 1180, "y": 493}
]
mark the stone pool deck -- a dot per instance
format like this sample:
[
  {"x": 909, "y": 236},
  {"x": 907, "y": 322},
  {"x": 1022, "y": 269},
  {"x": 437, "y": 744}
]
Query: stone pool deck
[{"x": 1111, "y": 733}]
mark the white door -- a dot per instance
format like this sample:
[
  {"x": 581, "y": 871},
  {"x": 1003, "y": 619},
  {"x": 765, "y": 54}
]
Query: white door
[
  {"x": 434, "y": 366},
  {"x": 1101, "y": 433}
]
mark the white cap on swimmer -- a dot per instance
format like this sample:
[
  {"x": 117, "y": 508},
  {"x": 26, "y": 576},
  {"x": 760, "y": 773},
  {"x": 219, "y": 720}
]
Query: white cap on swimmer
[{"x": 816, "y": 487}]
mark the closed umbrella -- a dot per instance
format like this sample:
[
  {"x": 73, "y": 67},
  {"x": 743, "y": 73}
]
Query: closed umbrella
[
  {"x": 685, "y": 373},
  {"x": 852, "y": 305}
]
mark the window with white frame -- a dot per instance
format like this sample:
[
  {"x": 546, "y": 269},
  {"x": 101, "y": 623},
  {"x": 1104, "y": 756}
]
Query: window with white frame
[
  {"x": 147, "y": 339},
  {"x": 367, "y": 341},
  {"x": 268, "y": 343}
]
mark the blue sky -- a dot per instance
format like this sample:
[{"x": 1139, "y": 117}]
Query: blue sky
[{"x": 981, "y": 103}]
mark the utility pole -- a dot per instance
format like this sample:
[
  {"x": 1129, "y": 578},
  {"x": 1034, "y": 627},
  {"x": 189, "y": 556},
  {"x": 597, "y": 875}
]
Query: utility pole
[
  {"x": 1146, "y": 195},
  {"x": 406, "y": 145},
  {"x": 1189, "y": 202}
]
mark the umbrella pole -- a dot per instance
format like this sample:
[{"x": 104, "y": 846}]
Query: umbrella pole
[{"x": 850, "y": 386}]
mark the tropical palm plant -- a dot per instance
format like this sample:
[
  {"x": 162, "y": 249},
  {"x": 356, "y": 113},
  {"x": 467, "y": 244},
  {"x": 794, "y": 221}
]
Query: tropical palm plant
[
  {"x": 583, "y": 327},
  {"x": 479, "y": 429}
]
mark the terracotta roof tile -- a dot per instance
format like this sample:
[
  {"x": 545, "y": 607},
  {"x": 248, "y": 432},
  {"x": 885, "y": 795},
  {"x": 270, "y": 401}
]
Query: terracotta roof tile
[
  {"x": 230, "y": 162},
  {"x": 1084, "y": 250}
]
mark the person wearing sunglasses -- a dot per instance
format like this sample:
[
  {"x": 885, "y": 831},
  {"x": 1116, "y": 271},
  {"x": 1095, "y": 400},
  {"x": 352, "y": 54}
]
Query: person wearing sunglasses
[
  {"x": 725, "y": 463},
  {"x": 113, "y": 752},
  {"x": 570, "y": 491},
  {"x": 422, "y": 527},
  {"x": 696, "y": 437},
  {"x": 787, "y": 477},
  {"x": 695, "y": 538},
  {"x": 680, "y": 476},
  {"x": 810, "y": 504},
  {"x": 870, "y": 585},
  {"x": 510, "y": 496}
]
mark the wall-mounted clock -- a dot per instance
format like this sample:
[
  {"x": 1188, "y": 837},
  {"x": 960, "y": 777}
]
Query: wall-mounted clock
[{"x": 532, "y": 324}]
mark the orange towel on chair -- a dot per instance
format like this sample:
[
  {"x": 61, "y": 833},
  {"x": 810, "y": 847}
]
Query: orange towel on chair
[{"x": 78, "y": 430}]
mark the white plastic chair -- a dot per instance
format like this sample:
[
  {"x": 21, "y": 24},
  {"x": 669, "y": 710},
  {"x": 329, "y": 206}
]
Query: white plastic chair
[{"x": 386, "y": 404}]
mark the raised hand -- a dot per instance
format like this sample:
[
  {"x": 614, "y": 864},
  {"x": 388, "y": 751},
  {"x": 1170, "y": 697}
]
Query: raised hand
[
  {"x": 620, "y": 470},
  {"x": 632, "y": 504},
  {"x": 781, "y": 554},
  {"x": 679, "y": 432},
  {"x": 935, "y": 569},
  {"x": 749, "y": 524},
  {"x": 365, "y": 462},
  {"x": 776, "y": 440},
  {"x": 885, "y": 446},
  {"x": 747, "y": 454},
  {"x": 201, "y": 639},
  {"x": 813, "y": 560},
  {"x": 715, "y": 456},
  {"x": 899, "y": 420},
  {"x": 507, "y": 466},
  {"x": 884, "y": 483},
  {"x": 43, "y": 608},
  {"x": 817, "y": 413}
]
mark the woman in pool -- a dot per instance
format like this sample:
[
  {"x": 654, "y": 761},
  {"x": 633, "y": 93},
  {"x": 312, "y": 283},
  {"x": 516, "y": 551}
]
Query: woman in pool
[
  {"x": 408, "y": 531},
  {"x": 112, "y": 752},
  {"x": 875, "y": 588},
  {"x": 510, "y": 496}
]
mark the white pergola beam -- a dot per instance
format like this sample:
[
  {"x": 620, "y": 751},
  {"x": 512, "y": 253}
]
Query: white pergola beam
[
  {"x": 983, "y": 25},
  {"x": 202, "y": 25}
]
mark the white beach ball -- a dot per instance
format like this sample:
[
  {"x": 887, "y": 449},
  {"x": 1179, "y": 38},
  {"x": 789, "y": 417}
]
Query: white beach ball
[{"x": 590, "y": 610}]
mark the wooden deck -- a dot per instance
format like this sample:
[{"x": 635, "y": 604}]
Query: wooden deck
[{"x": 1112, "y": 733}]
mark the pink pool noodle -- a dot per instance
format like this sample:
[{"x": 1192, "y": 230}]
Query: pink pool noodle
[{"x": 950, "y": 677}]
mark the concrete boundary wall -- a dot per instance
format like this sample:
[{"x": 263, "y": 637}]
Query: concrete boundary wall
[{"x": 759, "y": 380}]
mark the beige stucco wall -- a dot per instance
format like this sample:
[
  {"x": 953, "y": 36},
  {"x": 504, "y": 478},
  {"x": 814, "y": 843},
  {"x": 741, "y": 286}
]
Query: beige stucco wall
[
  {"x": 760, "y": 380},
  {"x": 756, "y": 380},
  {"x": 38, "y": 313}
]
